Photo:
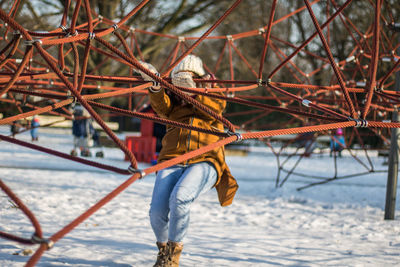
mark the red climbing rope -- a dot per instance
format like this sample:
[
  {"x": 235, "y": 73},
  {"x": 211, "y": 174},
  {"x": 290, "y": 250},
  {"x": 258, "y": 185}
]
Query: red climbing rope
[{"x": 359, "y": 93}]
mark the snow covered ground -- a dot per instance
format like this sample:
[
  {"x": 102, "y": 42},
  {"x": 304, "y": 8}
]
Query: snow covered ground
[{"x": 336, "y": 224}]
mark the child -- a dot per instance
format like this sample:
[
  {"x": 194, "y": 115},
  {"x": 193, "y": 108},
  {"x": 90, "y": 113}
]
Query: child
[
  {"x": 178, "y": 186},
  {"x": 337, "y": 142},
  {"x": 34, "y": 128},
  {"x": 81, "y": 131}
]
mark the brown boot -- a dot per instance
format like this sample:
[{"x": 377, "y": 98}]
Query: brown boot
[
  {"x": 162, "y": 256},
  {"x": 174, "y": 252}
]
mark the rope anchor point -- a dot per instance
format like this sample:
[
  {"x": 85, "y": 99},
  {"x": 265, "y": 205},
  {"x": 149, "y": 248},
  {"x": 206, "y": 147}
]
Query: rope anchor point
[
  {"x": 115, "y": 26},
  {"x": 359, "y": 122},
  {"x": 133, "y": 170},
  {"x": 238, "y": 135},
  {"x": 40, "y": 240},
  {"x": 31, "y": 42},
  {"x": 306, "y": 102}
]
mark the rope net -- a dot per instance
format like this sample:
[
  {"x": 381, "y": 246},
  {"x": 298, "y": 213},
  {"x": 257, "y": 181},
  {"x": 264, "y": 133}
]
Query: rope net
[{"x": 360, "y": 91}]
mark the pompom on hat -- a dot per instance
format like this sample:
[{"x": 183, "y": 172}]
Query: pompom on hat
[
  {"x": 190, "y": 63},
  {"x": 339, "y": 131}
]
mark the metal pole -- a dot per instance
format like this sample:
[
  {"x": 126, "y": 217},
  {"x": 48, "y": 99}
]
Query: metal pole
[{"x": 391, "y": 187}]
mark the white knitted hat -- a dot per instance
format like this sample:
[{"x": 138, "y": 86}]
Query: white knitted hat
[{"x": 190, "y": 63}]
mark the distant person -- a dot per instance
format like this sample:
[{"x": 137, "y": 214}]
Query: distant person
[
  {"x": 96, "y": 141},
  {"x": 35, "y": 128},
  {"x": 307, "y": 141},
  {"x": 15, "y": 128},
  {"x": 177, "y": 187},
  {"x": 337, "y": 142},
  {"x": 82, "y": 131}
]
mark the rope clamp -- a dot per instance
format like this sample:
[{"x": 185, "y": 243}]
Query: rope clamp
[
  {"x": 100, "y": 17},
  {"x": 63, "y": 28},
  {"x": 70, "y": 96},
  {"x": 238, "y": 135},
  {"x": 360, "y": 122},
  {"x": 378, "y": 89},
  {"x": 132, "y": 170},
  {"x": 306, "y": 102},
  {"x": 91, "y": 35},
  {"x": 260, "y": 82},
  {"x": 68, "y": 34},
  {"x": 394, "y": 26},
  {"x": 261, "y": 30},
  {"x": 181, "y": 39},
  {"x": 115, "y": 26},
  {"x": 39, "y": 240},
  {"x": 74, "y": 100},
  {"x": 231, "y": 94},
  {"x": 131, "y": 29},
  {"x": 156, "y": 83},
  {"x": 229, "y": 37},
  {"x": 31, "y": 42},
  {"x": 361, "y": 84},
  {"x": 349, "y": 59}
]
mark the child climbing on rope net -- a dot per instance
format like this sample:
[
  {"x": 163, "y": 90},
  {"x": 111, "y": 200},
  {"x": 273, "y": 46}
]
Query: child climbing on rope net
[{"x": 178, "y": 186}]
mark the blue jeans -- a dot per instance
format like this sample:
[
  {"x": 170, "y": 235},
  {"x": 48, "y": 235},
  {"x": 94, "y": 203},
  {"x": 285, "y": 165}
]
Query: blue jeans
[{"x": 174, "y": 191}]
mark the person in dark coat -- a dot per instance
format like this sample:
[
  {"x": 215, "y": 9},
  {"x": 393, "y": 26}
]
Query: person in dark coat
[
  {"x": 306, "y": 140},
  {"x": 82, "y": 132},
  {"x": 15, "y": 128}
]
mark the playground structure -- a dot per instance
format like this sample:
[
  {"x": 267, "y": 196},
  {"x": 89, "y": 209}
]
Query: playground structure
[{"x": 360, "y": 93}]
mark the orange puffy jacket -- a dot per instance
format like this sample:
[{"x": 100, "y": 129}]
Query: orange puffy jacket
[{"x": 179, "y": 141}]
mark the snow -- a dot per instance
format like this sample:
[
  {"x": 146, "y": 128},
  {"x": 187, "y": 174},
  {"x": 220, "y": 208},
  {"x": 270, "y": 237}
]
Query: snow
[{"x": 337, "y": 224}]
